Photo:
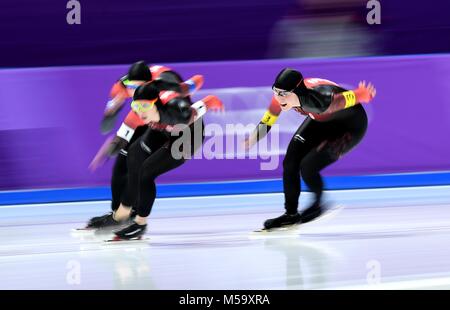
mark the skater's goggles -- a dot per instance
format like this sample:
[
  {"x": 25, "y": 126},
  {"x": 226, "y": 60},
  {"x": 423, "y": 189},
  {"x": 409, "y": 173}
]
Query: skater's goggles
[
  {"x": 132, "y": 84},
  {"x": 142, "y": 105},
  {"x": 281, "y": 92}
]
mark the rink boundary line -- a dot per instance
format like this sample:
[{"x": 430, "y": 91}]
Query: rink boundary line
[
  {"x": 219, "y": 196},
  {"x": 230, "y": 196},
  {"x": 397, "y": 180}
]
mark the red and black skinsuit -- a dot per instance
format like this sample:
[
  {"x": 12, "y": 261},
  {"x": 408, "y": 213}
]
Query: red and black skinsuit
[
  {"x": 333, "y": 126},
  {"x": 154, "y": 153},
  {"x": 135, "y": 128}
]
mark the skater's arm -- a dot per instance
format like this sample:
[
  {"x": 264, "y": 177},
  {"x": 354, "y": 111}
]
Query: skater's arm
[
  {"x": 129, "y": 125},
  {"x": 191, "y": 85},
  {"x": 266, "y": 123},
  {"x": 117, "y": 95},
  {"x": 110, "y": 148},
  {"x": 209, "y": 103},
  {"x": 185, "y": 88},
  {"x": 179, "y": 112},
  {"x": 363, "y": 94}
]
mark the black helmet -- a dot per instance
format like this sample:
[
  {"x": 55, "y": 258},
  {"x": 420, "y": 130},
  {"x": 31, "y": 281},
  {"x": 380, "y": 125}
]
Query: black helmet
[
  {"x": 288, "y": 80},
  {"x": 147, "y": 91},
  {"x": 139, "y": 71}
]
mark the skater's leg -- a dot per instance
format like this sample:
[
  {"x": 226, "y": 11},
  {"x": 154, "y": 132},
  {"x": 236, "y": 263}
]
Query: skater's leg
[
  {"x": 137, "y": 154},
  {"x": 291, "y": 174},
  {"x": 122, "y": 213},
  {"x": 136, "y": 157},
  {"x": 119, "y": 188},
  {"x": 158, "y": 163},
  {"x": 308, "y": 136},
  {"x": 311, "y": 166},
  {"x": 118, "y": 184},
  {"x": 161, "y": 161},
  {"x": 310, "y": 169},
  {"x": 319, "y": 158},
  {"x": 118, "y": 180}
]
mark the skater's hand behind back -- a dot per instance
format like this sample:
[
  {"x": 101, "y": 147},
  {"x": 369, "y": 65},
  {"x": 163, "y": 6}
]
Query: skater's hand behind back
[
  {"x": 365, "y": 92},
  {"x": 213, "y": 103}
]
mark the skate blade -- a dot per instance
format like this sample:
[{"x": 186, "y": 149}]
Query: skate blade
[
  {"x": 286, "y": 228},
  {"x": 295, "y": 229},
  {"x": 99, "y": 230},
  {"x": 119, "y": 240},
  {"x": 83, "y": 229},
  {"x": 288, "y": 231},
  {"x": 326, "y": 216}
]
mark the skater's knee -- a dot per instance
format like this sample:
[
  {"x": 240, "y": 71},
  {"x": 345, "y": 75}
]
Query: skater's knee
[
  {"x": 308, "y": 171},
  {"x": 148, "y": 176}
]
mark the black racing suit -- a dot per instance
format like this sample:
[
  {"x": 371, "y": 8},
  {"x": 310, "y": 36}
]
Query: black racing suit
[{"x": 330, "y": 130}]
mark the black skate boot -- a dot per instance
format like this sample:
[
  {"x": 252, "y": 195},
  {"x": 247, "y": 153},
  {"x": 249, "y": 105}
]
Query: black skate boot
[
  {"x": 312, "y": 212},
  {"x": 284, "y": 220},
  {"x": 131, "y": 232},
  {"x": 104, "y": 222}
]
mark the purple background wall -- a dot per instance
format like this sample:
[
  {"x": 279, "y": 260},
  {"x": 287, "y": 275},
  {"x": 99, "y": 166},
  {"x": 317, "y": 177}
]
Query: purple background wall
[
  {"x": 49, "y": 118},
  {"x": 35, "y": 33}
]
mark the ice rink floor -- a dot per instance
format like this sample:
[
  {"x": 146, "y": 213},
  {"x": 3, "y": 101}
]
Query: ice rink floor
[{"x": 379, "y": 238}]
